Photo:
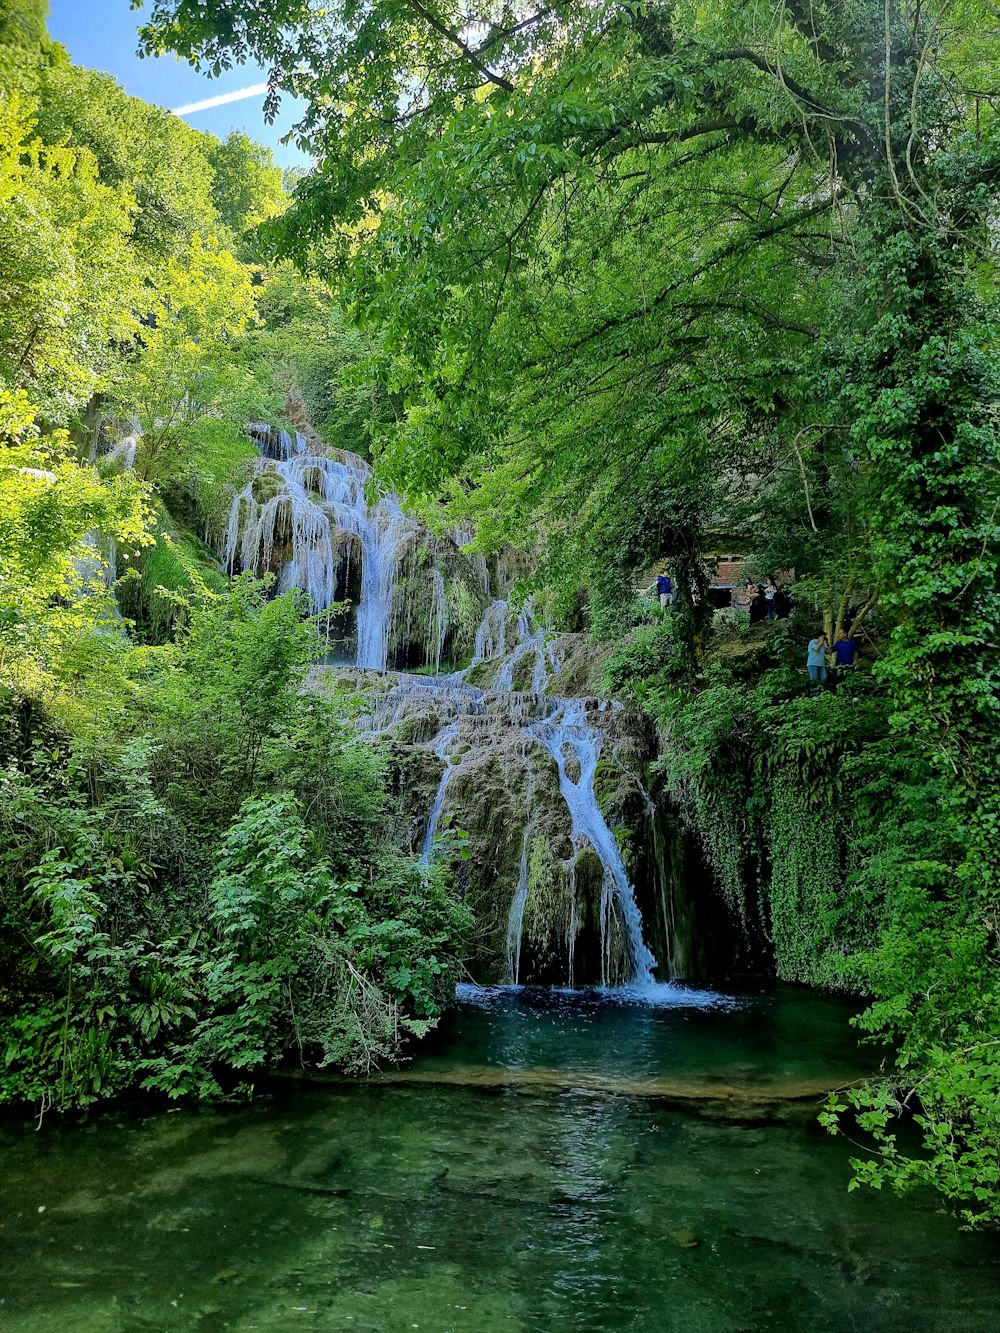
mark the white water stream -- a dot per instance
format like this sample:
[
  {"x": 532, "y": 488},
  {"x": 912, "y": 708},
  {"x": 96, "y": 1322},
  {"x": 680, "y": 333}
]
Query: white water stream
[
  {"x": 568, "y": 736},
  {"x": 321, "y": 511},
  {"x": 306, "y": 513}
]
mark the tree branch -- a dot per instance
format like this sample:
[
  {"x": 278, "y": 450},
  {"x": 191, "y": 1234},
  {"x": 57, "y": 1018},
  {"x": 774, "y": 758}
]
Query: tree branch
[
  {"x": 859, "y": 131},
  {"x": 465, "y": 49}
]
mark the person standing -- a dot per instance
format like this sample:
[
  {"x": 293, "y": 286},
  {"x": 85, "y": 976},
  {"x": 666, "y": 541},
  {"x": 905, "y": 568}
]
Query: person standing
[
  {"x": 816, "y": 658},
  {"x": 770, "y": 593},
  {"x": 663, "y": 590},
  {"x": 845, "y": 655}
]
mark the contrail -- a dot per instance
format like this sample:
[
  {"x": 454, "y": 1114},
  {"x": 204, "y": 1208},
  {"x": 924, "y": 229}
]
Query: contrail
[{"x": 223, "y": 99}]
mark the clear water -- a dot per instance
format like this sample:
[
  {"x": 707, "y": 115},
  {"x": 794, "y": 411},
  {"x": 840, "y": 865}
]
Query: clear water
[{"x": 552, "y": 1162}]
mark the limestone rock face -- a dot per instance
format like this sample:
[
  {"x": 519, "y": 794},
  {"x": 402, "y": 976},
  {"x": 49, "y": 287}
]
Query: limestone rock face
[
  {"x": 546, "y": 791},
  {"x": 506, "y": 760}
]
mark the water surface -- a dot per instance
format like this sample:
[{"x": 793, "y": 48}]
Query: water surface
[{"x": 550, "y": 1162}]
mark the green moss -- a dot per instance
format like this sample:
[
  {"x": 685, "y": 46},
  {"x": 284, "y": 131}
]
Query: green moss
[
  {"x": 220, "y": 451},
  {"x": 266, "y": 485},
  {"x": 548, "y": 907},
  {"x": 582, "y": 665},
  {"x": 416, "y": 608},
  {"x": 154, "y": 592},
  {"x": 465, "y": 611},
  {"x": 481, "y": 674}
]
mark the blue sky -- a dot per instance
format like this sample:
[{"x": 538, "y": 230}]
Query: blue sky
[{"x": 101, "y": 34}]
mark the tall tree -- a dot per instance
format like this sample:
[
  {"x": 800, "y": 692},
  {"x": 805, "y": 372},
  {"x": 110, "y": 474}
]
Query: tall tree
[
  {"x": 601, "y": 239},
  {"x": 22, "y": 22}
]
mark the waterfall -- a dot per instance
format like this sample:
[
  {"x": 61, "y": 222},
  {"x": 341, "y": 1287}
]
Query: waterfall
[
  {"x": 307, "y": 514},
  {"x": 445, "y": 700},
  {"x": 317, "y": 517},
  {"x": 125, "y": 450},
  {"x": 438, "y": 627},
  {"x": 532, "y": 639},
  {"x": 491, "y": 636},
  {"x": 459, "y": 714},
  {"x": 99, "y": 561},
  {"x": 568, "y": 735},
  {"x": 515, "y": 921},
  {"x": 440, "y": 746}
]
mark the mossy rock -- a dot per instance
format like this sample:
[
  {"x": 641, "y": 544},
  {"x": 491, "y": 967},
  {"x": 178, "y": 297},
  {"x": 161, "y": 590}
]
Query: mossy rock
[
  {"x": 436, "y": 592},
  {"x": 482, "y": 675},
  {"x": 152, "y": 589},
  {"x": 266, "y": 486},
  {"x": 581, "y": 665}
]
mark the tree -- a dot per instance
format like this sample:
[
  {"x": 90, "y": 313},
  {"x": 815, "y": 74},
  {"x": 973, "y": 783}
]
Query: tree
[
  {"x": 204, "y": 305},
  {"x": 22, "y": 22},
  {"x": 247, "y": 188},
  {"x": 54, "y": 608},
  {"x": 597, "y": 238},
  {"x": 69, "y": 282}
]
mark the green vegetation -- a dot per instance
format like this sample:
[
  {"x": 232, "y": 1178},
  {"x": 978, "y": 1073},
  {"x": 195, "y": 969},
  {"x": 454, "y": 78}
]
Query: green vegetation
[
  {"x": 202, "y": 883},
  {"x": 648, "y": 276},
  {"x": 198, "y": 878},
  {"x": 644, "y": 281}
]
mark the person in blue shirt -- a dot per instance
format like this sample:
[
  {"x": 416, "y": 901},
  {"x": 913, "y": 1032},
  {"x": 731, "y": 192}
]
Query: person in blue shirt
[
  {"x": 845, "y": 656},
  {"x": 663, "y": 590},
  {"x": 845, "y": 650},
  {"x": 816, "y": 658}
]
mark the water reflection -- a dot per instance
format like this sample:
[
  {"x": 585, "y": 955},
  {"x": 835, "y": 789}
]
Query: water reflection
[{"x": 561, "y": 1202}]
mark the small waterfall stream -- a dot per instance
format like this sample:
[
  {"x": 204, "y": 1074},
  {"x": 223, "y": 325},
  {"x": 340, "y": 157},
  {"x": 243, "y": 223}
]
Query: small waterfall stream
[
  {"x": 309, "y": 515},
  {"x": 515, "y": 918},
  {"x": 568, "y": 736},
  {"x": 440, "y": 746}
]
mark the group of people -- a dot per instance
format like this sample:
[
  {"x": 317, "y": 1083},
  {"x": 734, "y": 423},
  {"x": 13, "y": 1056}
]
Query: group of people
[
  {"x": 764, "y": 601},
  {"x": 767, "y": 601},
  {"x": 842, "y": 655},
  {"x": 770, "y": 601}
]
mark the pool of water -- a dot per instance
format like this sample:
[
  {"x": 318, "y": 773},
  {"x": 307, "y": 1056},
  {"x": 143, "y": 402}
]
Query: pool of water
[{"x": 549, "y": 1162}]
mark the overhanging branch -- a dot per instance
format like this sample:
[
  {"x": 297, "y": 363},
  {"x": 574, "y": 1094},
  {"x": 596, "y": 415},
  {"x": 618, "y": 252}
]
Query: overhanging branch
[{"x": 462, "y": 46}]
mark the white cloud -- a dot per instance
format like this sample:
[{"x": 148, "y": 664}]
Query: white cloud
[{"x": 258, "y": 90}]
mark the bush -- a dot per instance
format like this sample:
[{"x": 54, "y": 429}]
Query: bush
[{"x": 210, "y": 889}]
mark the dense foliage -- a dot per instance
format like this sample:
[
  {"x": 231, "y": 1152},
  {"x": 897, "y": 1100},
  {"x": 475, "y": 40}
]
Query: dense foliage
[
  {"x": 197, "y": 877},
  {"x": 205, "y": 885},
  {"x": 649, "y": 277},
  {"x": 645, "y": 280}
]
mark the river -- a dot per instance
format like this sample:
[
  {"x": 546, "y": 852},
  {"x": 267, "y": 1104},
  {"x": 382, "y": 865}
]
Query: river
[{"x": 550, "y": 1161}]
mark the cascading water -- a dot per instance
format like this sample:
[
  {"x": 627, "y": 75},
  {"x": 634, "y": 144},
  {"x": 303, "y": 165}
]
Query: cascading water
[
  {"x": 308, "y": 515},
  {"x": 318, "y": 517},
  {"x": 438, "y": 620},
  {"x": 99, "y": 562},
  {"x": 526, "y": 637},
  {"x": 567, "y": 735},
  {"x": 460, "y": 717},
  {"x": 440, "y": 747},
  {"x": 515, "y": 919},
  {"x": 491, "y": 637}
]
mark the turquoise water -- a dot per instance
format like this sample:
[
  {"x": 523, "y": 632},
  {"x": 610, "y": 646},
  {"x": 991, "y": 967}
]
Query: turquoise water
[{"x": 551, "y": 1162}]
